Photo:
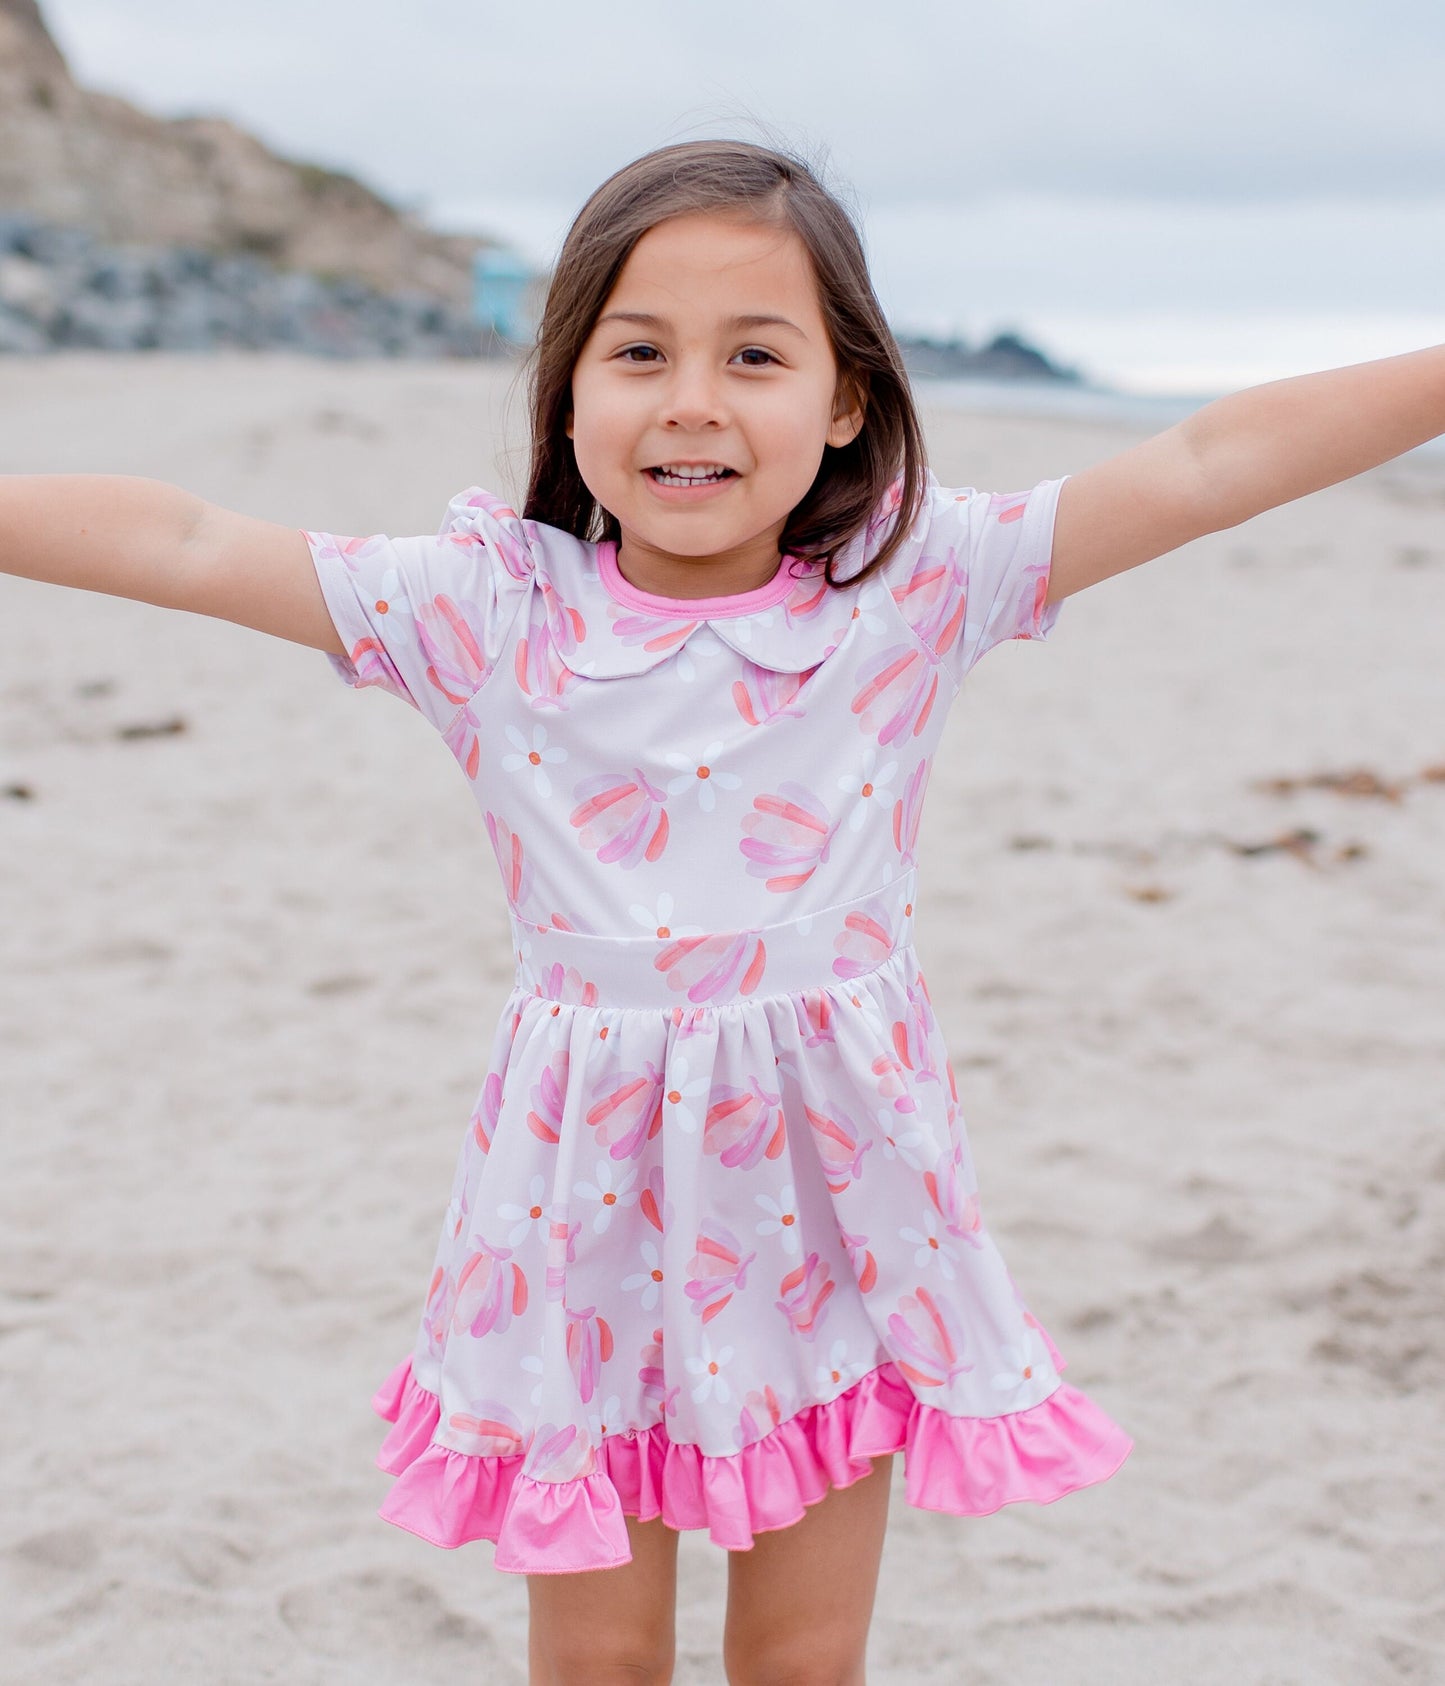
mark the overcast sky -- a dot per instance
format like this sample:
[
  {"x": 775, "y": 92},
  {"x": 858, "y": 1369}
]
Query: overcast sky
[{"x": 1070, "y": 162}]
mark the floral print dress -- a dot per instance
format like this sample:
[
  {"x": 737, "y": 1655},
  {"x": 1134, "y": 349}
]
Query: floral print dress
[{"x": 714, "y": 1239}]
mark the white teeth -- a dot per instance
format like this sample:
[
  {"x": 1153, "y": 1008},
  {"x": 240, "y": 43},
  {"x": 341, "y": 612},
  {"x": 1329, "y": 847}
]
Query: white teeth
[{"x": 678, "y": 475}]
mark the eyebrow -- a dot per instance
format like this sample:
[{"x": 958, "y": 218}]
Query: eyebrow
[{"x": 645, "y": 319}]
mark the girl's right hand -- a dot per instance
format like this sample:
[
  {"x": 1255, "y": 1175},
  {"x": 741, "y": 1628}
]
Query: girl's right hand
[{"x": 132, "y": 537}]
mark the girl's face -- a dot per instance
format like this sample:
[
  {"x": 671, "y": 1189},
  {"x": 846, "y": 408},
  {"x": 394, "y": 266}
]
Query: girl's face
[{"x": 710, "y": 354}]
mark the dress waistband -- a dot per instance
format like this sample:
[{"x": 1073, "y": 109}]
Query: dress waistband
[{"x": 691, "y": 968}]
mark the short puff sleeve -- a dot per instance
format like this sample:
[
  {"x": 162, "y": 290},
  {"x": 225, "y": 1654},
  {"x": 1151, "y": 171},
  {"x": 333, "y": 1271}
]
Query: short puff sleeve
[
  {"x": 427, "y": 618},
  {"x": 975, "y": 571}
]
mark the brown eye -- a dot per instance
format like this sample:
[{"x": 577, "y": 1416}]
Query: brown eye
[{"x": 757, "y": 351}]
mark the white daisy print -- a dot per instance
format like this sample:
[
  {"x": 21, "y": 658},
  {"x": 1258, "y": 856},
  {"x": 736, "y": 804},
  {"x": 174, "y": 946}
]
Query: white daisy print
[
  {"x": 709, "y": 1366},
  {"x": 914, "y": 1147},
  {"x": 685, "y": 1098},
  {"x": 608, "y": 1191},
  {"x": 1021, "y": 1372},
  {"x": 701, "y": 777},
  {"x": 532, "y": 1364},
  {"x": 535, "y": 1215},
  {"x": 840, "y": 1372},
  {"x": 658, "y": 919},
  {"x": 649, "y": 1280},
  {"x": 932, "y": 1250},
  {"x": 537, "y": 755},
  {"x": 782, "y": 1218},
  {"x": 871, "y": 786},
  {"x": 605, "y": 1419},
  {"x": 869, "y": 607}
]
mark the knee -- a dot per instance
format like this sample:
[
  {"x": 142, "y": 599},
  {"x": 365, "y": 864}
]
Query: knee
[
  {"x": 792, "y": 1667},
  {"x": 579, "y": 1664}
]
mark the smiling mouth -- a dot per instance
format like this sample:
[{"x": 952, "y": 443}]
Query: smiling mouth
[{"x": 673, "y": 474}]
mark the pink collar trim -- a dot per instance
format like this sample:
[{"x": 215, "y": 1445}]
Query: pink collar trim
[{"x": 691, "y": 608}]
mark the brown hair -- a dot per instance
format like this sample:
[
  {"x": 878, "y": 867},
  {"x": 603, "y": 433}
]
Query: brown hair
[{"x": 779, "y": 189}]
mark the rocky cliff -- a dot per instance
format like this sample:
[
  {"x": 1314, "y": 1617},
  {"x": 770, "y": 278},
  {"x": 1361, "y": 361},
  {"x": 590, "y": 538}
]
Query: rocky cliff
[{"x": 95, "y": 162}]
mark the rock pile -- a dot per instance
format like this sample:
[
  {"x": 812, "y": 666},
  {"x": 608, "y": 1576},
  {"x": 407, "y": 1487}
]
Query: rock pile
[{"x": 60, "y": 287}]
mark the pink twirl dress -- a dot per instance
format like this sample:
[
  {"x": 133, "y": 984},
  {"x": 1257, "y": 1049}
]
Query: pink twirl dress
[{"x": 714, "y": 1239}]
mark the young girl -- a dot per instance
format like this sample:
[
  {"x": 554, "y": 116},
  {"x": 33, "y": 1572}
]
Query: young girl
[{"x": 714, "y": 1250}]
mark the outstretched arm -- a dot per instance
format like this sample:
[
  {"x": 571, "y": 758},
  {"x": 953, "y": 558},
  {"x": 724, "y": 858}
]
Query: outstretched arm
[
  {"x": 1240, "y": 455},
  {"x": 131, "y": 537}
]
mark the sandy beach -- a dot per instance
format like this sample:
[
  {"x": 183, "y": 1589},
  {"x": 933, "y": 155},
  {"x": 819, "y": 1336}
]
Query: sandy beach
[{"x": 1183, "y": 916}]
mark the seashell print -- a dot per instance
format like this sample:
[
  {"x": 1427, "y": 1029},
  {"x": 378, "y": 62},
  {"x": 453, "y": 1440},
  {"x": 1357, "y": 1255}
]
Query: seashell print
[
  {"x": 488, "y": 1429},
  {"x": 629, "y": 1113},
  {"x": 862, "y": 945},
  {"x": 895, "y": 693},
  {"x": 516, "y": 870},
  {"x": 491, "y": 1290},
  {"x": 549, "y": 1093},
  {"x": 744, "y": 1126},
  {"x": 908, "y": 814},
  {"x": 708, "y": 967},
  {"x": 717, "y": 1270},
  {"x": 763, "y": 694},
  {"x": 621, "y": 818},
  {"x": 928, "y": 1340},
  {"x": 840, "y": 1150},
  {"x": 589, "y": 1346},
  {"x": 788, "y": 834},
  {"x": 805, "y": 1294}
]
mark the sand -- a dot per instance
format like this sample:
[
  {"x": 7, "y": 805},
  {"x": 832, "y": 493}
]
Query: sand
[{"x": 249, "y": 968}]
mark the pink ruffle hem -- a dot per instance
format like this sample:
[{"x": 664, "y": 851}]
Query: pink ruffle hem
[{"x": 966, "y": 1466}]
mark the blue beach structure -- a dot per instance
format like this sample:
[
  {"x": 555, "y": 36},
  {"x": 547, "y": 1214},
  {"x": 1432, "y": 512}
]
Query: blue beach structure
[{"x": 501, "y": 284}]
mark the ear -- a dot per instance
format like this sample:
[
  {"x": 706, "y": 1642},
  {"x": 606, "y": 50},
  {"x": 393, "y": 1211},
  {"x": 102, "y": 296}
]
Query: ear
[
  {"x": 848, "y": 415},
  {"x": 567, "y": 425}
]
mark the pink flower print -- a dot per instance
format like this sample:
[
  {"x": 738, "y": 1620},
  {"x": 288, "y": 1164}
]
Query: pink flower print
[
  {"x": 629, "y": 1114},
  {"x": 566, "y": 986},
  {"x": 589, "y": 1346},
  {"x": 652, "y": 632},
  {"x": 461, "y": 736},
  {"x": 788, "y": 834},
  {"x": 488, "y": 1110},
  {"x": 537, "y": 664},
  {"x": 895, "y": 694},
  {"x": 761, "y": 1413},
  {"x": 931, "y": 1250},
  {"x": 548, "y": 1093},
  {"x": 558, "y": 1454},
  {"x": 456, "y": 663},
  {"x": 619, "y": 818},
  {"x": 437, "y": 1316},
  {"x": 840, "y": 1151},
  {"x": 710, "y": 966},
  {"x": 611, "y": 1190},
  {"x": 489, "y": 1429},
  {"x": 932, "y": 600},
  {"x": 533, "y": 1218},
  {"x": 658, "y": 922},
  {"x": 566, "y": 625},
  {"x": 702, "y": 777},
  {"x": 763, "y": 694},
  {"x": 375, "y": 667},
  {"x": 892, "y": 1083},
  {"x": 865, "y": 1266},
  {"x": 685, "y": 1097},
  {"x": 717, "y": 1270},
  {"x": 653, "y": 1379},
  {"x": 958, "y": 1209},
  {"x": 908, "y": 813},
  {"x": 806, "y": 1292},
  {"x": 863, "y": 945},
  {"x": 782, "y": 1217},
  {"x": 869, "y": 787},
  {"x": 707, "y": 1365},
  {"x": 813, "y": 1009},
  {"x": 840, "y": 1372},
  {"x": 651, "y": 1202},
  {"x": 516, "y": 869},
  {"x": 913, "y": 1037},
  {"x": 534, "y": 756},
  {"x": 745, "y": 1125},
  {"x": 649, "y": 1279},
  {"x": 491, "y": 1290},
  {"x": 561, "y": 1251},
  {"x": 509, "y": 550},
  {"x": 1007, "y": 506},
  {"x": 928, "y": 1340}
]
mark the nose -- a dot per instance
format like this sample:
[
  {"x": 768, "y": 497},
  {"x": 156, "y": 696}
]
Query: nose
[{"x": 693, "y": 398}]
